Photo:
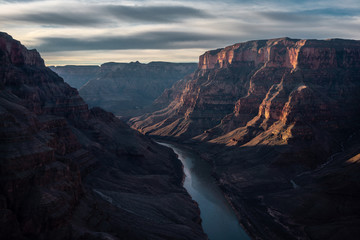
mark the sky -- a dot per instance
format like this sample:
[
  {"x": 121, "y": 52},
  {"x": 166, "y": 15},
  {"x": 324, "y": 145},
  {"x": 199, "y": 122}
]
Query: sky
[{"x": 85, "y": 32}]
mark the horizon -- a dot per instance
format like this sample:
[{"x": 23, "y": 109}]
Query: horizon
[
  {"x": 99, "y": 65},
  {"x": 78, "y": 32},
  {"x": 196, "y": 62}
]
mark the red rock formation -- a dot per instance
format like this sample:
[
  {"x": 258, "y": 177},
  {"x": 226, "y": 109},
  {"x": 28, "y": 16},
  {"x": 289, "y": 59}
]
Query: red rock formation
[
  {"x": 253, "y": 81},
  {"x": 271, "y": 116},
  {"x": 68, "y": 172}
]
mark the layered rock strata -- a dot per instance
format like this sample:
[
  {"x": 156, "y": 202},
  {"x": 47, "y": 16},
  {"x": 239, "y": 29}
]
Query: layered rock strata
[
  {"x": 69, "y": 172},
  {"x": 264, "y": 113},
  {"x": 126, "y": 89},
  {"x": 260, "y": 83}
]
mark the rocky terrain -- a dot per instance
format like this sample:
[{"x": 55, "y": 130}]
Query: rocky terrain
[
  {"x": 70, "y": 172},
  {"x": 126, "y": 89},
  {"x": 279, "y": 121},
  {"x": 77, "y": 76}
]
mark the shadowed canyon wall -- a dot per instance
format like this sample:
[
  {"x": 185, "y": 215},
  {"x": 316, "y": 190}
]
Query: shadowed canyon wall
[{"x": 70, "y": 172}]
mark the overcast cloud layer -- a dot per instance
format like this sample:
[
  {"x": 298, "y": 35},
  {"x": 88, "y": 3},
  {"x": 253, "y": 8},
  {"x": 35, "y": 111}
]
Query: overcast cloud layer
[{"x": 94, "y": 31}]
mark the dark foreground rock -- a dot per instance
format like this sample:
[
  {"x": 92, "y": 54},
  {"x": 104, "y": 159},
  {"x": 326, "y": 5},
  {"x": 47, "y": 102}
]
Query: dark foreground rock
[{"x": 67, "y": 172}]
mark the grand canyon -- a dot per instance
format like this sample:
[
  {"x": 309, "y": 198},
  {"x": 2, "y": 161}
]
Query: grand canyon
[
  {"x": 126, "y": 89},
  {"x": 258, "y": 140},
  {"x": 278, "y": 120}
]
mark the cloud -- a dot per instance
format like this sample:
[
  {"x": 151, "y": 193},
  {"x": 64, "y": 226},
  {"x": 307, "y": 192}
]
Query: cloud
[
  {"x": 337, "y": 12},
  {"x": 19, "y": 1},
  {"x": 147, "y": 40},
  {"x": 65, "y": 19},
  {"x": 312, "y": 15},
  {"x": 287, "y": 17},
  {"x": 94, "y": 15},
  {"x": 95, "y": 27},
  {"x": 156, "y": 13}
]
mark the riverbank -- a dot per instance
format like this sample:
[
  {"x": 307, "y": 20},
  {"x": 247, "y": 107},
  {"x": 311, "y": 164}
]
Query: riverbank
[
  {"x": 249, "y": 208},
  {"x": 219, "y": 220}
]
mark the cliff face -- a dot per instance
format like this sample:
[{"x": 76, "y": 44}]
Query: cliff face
[
  {"x": 265, "y": 113},
  {"x": 76, "y": 76},
  {"x": 126, "y": 89},
  {"x": 284, "y": 52},
  {"x": 68, "y": 172},
  {"x": 259, "y": 84}
]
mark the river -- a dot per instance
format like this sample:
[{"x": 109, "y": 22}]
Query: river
[{"x": 218, "y": 218}]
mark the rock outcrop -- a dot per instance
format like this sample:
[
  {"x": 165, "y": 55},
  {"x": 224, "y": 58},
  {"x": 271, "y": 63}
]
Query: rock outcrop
[
  {"x": 256, "y": 83},
  {"x": 126, "y": 89},
  {"x": 68, "y": 172},
  {"x": 266, "y": 112}
]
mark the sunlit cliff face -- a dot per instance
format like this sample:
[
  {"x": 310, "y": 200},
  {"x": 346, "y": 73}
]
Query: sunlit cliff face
[
  {"x": 254, "y": 53},
  {"x": 93, "y": 32}
]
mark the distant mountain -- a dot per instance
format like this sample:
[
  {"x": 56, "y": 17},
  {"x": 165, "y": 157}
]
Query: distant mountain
[
  {"x": 126, "y": 89},
  {"x": 76, "y": 76},
  {"x": 279, "y": 120},
  {"x": 69, "y": 172}
]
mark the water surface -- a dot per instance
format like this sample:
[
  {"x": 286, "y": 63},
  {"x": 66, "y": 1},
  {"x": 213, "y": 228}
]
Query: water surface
[{"x": 218, "y": 218}]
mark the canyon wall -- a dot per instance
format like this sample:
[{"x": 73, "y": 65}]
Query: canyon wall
[
  {"x": 258, "y": 84},
  {"x": 275, "y": 118},
  {"x": 126, "y": 89},
  {"x": 70, "y": 172}
]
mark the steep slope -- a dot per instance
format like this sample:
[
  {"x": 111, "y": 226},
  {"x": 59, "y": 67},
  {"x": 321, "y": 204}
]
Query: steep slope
[
  {"x": 76, "y": 76},
  {"x": 266, "y": 112},
  {"x": 278, "y": 198},
  {"x": 68, "y": 172},
  {"x": 126, "y": 89},
  {"x": 254, "y": 81}
]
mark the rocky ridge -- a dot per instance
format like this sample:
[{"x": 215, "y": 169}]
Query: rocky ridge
[
  {"x": 126, "y": 89},
  {"x": 270, "y": 115},
  {"x": 258, "y": 81},
  {"x": 69, "y": 172}
]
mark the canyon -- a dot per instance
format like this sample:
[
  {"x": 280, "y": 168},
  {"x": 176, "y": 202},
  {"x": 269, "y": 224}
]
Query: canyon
[
  {"x": 126, "y": 89},
  {"x": 70, "y": 172},
  {"x": 278, "y": 120}
]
